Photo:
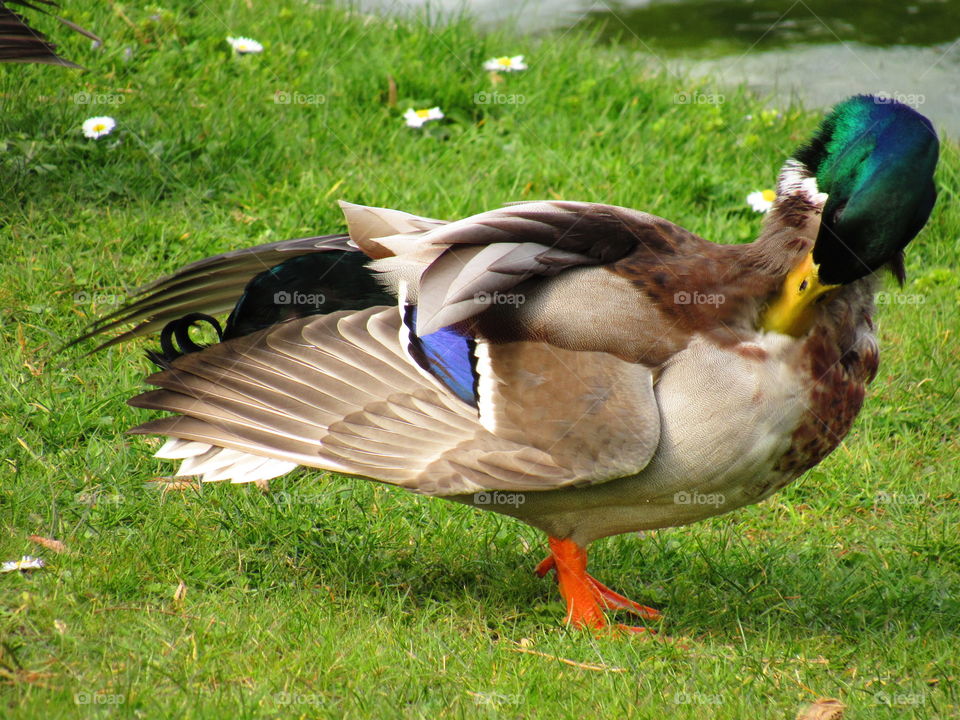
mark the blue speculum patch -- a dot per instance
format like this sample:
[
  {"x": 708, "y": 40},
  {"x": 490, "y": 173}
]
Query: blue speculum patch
[{"x": 446, "y": 354}]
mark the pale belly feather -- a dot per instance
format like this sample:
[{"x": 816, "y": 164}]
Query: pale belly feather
[{"x": 727, "y": 415}]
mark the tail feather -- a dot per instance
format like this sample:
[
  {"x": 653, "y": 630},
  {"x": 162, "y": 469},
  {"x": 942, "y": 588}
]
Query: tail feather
[{"x": 211, "y": 286}]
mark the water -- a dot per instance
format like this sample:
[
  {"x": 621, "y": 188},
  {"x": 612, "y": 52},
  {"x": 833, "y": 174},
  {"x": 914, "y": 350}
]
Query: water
[
  {"x": 817, "y": 51},
  {"x": 736, "y": 26}
]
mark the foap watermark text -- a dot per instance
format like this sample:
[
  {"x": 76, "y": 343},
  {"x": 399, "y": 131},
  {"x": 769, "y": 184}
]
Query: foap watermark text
[
  {"x": 495, "y": 497},
  {"x": 685, "y": 497}
]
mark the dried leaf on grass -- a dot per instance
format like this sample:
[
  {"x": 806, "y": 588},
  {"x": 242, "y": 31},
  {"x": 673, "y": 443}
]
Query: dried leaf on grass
[
  {"x": 48, "y": 543},
  {"x": 822, "y": 709}
]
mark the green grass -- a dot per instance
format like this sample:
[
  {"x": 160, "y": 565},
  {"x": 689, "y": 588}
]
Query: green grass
[{"x": 355, "y": 600}]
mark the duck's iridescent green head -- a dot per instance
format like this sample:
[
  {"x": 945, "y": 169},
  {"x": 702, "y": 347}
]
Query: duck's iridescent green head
[{"x": 874, "y": 157}]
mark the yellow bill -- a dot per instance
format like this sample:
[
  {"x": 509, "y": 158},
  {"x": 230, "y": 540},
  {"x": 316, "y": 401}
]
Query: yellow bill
[{"x": 792, "y": 311}]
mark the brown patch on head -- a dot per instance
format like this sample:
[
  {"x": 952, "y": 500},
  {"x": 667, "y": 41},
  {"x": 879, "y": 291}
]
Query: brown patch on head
[
  {"x": 798, "y": 244},
  {"x": 793, "y": 210}
]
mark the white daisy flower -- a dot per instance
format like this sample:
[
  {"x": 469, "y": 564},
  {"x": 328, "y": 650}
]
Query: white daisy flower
[
  {"x": 416, "y": 118},
  {"x": 27, "y": 562},
  {"x": 96, "y": 127},
  {"x": 762, "y": 200},
  {"x": 505, "y": 64},
  {"x": 244, "y": 45}
]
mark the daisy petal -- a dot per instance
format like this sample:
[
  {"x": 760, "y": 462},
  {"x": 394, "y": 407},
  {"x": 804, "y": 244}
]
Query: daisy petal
[
  {"x": 416, "y": 118},
  {"x": 761, "y": 200},
  {"x": 244, "y": 45},
  {"x": 27, "y": 562},
  {"x": 505, "y": 63},
  {"x": 97, "y": 127}
]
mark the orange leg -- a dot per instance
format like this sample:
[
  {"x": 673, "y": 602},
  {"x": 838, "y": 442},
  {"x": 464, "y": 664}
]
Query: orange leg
[{"x": 584, "y": 595}]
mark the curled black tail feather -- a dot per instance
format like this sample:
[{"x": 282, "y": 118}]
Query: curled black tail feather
[{"x": 179, "y": 329}]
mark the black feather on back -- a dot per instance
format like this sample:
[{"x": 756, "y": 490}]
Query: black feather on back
[
  {"x": 314, "y": 284},
  {"x": 179, "y": 330}
]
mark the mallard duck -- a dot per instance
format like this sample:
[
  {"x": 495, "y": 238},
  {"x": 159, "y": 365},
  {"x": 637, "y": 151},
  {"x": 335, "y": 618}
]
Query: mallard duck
[{"x": 587, "y": 369}]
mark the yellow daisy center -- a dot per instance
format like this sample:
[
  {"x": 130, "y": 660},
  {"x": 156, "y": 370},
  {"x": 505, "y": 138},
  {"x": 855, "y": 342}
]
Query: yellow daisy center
[
  {"x": 769, "y": 195},
  {"x": 423, "y": 113},
  {"x": 505, "y": 61}
]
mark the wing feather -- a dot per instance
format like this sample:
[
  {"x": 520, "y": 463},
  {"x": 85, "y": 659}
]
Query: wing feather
[
  {"x": 340, "y": 391},
  {"x": 498, "y": 250},
  {"x": 337, "y": 392}
]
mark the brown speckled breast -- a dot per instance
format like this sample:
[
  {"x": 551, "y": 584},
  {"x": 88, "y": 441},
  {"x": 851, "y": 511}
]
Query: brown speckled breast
[{"x": 838, "y": 381}]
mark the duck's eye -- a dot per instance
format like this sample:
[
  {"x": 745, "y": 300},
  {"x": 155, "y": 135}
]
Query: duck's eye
[{"x": 803, "y": 286}]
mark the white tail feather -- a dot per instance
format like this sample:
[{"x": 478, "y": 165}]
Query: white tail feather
[{"x": 215, "y": 463}]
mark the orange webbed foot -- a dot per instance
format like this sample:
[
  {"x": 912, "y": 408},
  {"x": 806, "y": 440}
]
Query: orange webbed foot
[{"x": 587, "y": 597}]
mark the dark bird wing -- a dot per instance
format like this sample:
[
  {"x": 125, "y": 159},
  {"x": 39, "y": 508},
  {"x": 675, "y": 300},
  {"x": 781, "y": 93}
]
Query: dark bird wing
[{"x": 211, "y": 286}]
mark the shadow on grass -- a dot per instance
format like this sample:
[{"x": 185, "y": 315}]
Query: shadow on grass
[{"x": 709, "y": 579}]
